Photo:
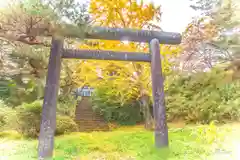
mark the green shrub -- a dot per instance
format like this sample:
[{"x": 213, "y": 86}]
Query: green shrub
[
  {"x": 106, "y": 101},
  {"x": 8, "y": 118},
  {"x": 29, "y": 118},
  {"x": 197, "y": 98},
  {"x": 65, "y": 124},
  {"x": 203, "y": 97}
]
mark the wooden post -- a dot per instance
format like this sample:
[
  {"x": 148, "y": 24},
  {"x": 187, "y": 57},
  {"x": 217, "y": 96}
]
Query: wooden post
[
  {"x": 161, "y": 129},
  {"x": 48, "y": 122}
]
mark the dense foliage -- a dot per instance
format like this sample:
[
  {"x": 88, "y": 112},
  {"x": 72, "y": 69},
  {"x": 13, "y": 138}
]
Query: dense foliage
[
  {"x": 65, "y": 124},
  {"x": 8, "y": 118},
  {"x": 106, "y": 100},
  {"x": 24, "y": 65},
  {"x": 26, "y": 118},
  {"x": 17, "y": 91},
  {"x": 198, "y": 98},
  {"x": 29, "y": 117},
  {"x": 204, "y": 97}
]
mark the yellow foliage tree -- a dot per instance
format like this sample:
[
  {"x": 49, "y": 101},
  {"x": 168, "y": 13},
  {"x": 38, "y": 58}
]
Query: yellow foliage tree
[{"x": 135, "y": 75}]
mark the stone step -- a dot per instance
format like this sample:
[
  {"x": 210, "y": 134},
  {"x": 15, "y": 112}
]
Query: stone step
[
  {"x": 93, "y": 128},
  {"x": 90, "y": 123},
  {"x": 87, "y": 113},
  {"x": 87, "y": 119},
  {"x": 91, "y": 116},
  {"x": 83, "y": 110}
]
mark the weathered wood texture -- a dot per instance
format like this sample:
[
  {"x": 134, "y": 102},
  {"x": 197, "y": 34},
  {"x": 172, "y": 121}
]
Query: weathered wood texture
[
  {"x": 48, "y": 121},
  {"x": 161, "y": 129},
  {"x": 106, "y": 55},
  {"x": 133, "y": 35}
]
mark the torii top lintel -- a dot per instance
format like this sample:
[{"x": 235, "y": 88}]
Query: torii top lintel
[{"x": 134, "y": 35}]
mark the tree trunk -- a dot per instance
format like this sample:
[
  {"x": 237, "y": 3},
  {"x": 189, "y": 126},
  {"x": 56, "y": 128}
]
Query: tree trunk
[
  {"x": 144, "y": 99},
  {"x": 146, "y": 112}
]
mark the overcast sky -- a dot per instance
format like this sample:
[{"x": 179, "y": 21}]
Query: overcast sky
[{"x": 176, "y": 14}]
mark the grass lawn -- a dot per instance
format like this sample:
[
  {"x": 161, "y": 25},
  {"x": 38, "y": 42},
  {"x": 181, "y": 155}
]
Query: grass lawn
[{"x": 133, "y": 143}]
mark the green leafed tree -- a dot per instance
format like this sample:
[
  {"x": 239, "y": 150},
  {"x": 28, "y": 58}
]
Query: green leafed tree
[
  {"x": 221, "y": 46},
  {"x": 25, "y": 31},
  {"x": 224, "y": 15},
  {"x": 227, "y": 20}
]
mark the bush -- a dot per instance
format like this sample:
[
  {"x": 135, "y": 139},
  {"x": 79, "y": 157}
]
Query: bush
[
  {"x": 29, "y": 116},
  {"x": 65, "y": 124},
  {"x": 106, "y": 101},
  {"x": 8, "y": 118},
  {"x": 203, "y": 97},
  {"x": 197, "y": 98}
]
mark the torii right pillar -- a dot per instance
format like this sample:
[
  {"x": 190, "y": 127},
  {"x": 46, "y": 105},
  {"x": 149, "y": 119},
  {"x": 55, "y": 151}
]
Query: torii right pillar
[{"x": 161, "y": 129}]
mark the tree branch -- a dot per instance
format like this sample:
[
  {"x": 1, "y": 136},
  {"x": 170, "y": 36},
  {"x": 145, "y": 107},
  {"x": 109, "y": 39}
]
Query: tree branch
[{"x": 22, "y": 38}]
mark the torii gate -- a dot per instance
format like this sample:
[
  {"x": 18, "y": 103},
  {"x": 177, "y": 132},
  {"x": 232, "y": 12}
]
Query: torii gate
[{"x": 154, "y": 38}]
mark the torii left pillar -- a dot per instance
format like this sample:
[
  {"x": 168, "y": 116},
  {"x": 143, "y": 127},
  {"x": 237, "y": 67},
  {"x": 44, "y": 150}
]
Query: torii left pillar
[{"x": 48, "y": 121}]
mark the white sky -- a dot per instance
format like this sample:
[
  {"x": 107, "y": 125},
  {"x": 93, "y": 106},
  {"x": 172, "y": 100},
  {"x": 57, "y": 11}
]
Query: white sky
[
  {"x": 176, "y": 14},
  {"x": 2, "y": 3}
]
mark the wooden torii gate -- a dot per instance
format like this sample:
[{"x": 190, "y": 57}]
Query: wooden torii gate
[{"x": 154, "y": 38}]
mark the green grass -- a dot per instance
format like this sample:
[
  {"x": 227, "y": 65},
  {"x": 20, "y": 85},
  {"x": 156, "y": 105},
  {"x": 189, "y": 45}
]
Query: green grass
[{"x": 122, "y": 144}]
